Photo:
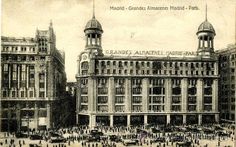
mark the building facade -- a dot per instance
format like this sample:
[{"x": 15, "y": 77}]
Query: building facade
[
  {"x": 140, "y": 90},
  {"x": 227, "y": 95},
  {"x": 33, "y": 81}
]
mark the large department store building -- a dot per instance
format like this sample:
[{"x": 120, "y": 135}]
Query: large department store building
[
  {"x": 33, "y": 82},
  {"x": 135, "y": 90},
  {"x": 227, "y": 83}
]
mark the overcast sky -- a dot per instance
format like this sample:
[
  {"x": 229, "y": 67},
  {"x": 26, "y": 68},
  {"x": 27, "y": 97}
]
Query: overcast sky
[{"x": 123, "y": 30}]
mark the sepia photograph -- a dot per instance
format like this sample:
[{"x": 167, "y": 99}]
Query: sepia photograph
[{"x": 116, "y": 73}]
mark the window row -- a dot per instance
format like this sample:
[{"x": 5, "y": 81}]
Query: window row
[
  {"x": 154, "y": 64},
  {"x": 18, "y": 48},
  {"x": 155, "y": 72}
]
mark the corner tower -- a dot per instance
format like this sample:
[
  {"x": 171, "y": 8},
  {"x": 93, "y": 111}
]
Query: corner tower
[
  {"x": 93, "y": 33},
  {"x": 206, "y": 34}
]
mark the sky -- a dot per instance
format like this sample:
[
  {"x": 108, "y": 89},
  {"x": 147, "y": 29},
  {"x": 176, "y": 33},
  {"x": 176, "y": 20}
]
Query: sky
[{"x": 123, "y": 29}]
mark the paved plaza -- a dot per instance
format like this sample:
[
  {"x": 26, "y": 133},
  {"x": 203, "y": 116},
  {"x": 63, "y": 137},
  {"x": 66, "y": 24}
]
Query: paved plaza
[{"x": 198, "y": 136}]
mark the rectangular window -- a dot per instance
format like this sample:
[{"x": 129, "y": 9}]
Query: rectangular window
[
  {"x": 41, "y": 94},
  {"x": 103, "y": 108},
  {"x": 41, "y": 76},
  {"x": 13, "y": 94},
  {"x": 84, "y": 99},
  {"x": 31, "y": 94},
  {"x": 119, "y": 99},
  {"x": 137, "y": 108},
  {"x": 22, "y": 94},
  {"x": 23, "y": 76},
  {"x": 14, "y": 75},
  {"x": 14, "y": 67},
  {"x": 42, "y": 113},
  {"x": 4, "y": 94},
  {"x": 31, "y": 84},
  {"x": 42, "y": 105},
  {"x": 31, "y": 76},
  {"x": 102, "y": 99},
  {"x": 119, "y": 108},
  {"x": 5, "y": 67},
  {"x": 137, "y": 99},
  {"x": 131, "y": 71},
  {"x": 41, "y": 85},
  {"x": 23, "y": 68}
]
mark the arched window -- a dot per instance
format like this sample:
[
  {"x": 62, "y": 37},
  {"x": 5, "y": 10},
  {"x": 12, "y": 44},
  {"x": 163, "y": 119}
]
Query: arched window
[{"x": 84, "y": 65}]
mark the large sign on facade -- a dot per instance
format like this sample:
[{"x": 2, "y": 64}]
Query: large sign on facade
[{"x": 150, "y": 53}]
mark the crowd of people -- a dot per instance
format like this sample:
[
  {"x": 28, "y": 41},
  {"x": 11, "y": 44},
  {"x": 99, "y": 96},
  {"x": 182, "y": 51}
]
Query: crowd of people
[{"x": 152, "y": 135}]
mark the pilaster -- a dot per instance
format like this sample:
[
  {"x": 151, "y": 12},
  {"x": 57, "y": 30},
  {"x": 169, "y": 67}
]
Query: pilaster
[
  {"x": 111, "y": 91},
  {"x": 184, "y": 91},
  {"x": 199, "y": 95},
  {"x": 128, "y": 94},
  {"x": 168, "y": 94},
  {"x": 145, "y": 94}
]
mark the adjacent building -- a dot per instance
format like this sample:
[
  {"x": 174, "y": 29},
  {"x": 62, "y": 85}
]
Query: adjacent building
[
  {"x": 227, "y": 87},
  {"x": 33, "y": 82},
  {"x": 69, "y": 109},
  {"x": 136, "y": 90}
]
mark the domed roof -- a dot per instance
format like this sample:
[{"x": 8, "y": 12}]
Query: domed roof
[
  {"x": 206, "y": 26},
  {"x": 93, "y": 24}
]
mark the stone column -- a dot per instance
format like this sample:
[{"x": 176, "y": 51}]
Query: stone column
[
  {"x": 45, "y": 81},
  {"x": 168, "y": 95},
  {"x": 78, "y": 99},
  {"x": 8, "y": 117},
  {"x": 145, "y": 119},
  {"x": 9, "y": 76},
  {"x": 200, "y": 119},
  {"x": 184, "y": 91},
  {"x": 96, "y": 39},
  {"x": 203, "y": 43},
  {"x": 36, "y": 80},
  {"x": 18, "y": 79},
  {"x": 199, "y": 42},
  {"x": 217, "y": 118},
  {"x": 91, "y": 94},
  {"x": 216, "y": 68},
  {"x": 128, "y": 95},
  {"x": 18, "y": 116},
  {"x": 111, "y": 120},
  {"x": 212, "y": 42},
  {"x": 145, "y": 93},
  {"x": 92, "y": 121},
  {"x": 208, "y": 42},
  {"x": 128, "y": 120},
  {"x": 215, "y": 95},
  {"x": 36, "y": 117},
  {"x": 27, "y": 77},
  {"x": 90, "y": 37},
  {"x": 111, "y": 93},
  {"x": 100, "y": 41},
  {"x": 48, "y": 115},
  {"x": 87, "y": 38},
  {"x": 184, "y": 118},
  {"x": 200, "y": 95},
  {"x": 167, "y": 118}
]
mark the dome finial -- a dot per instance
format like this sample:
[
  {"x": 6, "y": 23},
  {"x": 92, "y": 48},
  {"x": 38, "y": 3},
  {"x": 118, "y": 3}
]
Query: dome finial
[
  {"x": 93, "y": 10},
  {"x": 206, "y": 13}
]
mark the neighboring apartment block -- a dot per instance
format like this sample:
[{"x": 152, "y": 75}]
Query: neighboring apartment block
[{"x": 33, "y": 81}]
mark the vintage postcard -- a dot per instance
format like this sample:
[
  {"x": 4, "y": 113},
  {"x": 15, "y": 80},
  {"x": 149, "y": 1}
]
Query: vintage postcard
[{"x": 118, "y": 73}]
